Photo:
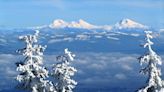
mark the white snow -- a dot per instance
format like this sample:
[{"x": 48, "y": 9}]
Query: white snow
[
  {"x": 82, "y": 37},
  {"x": 128, "y": 23},
  {"x": 32, "y": 74},
  {"x": 154, "y": 83},
  {"x": 113, "y": 38},
  {"x": 122, "y": 33},
  {"x": 63, "y": 72},
  {"x": 135, "y": 34},
  {"x": 55, "y": 40},
  {"x": 79, "y": 24},
  {"x": 58, "y": 24},
  {"x": 98, "y": 36},
  {"x": 106, "y": 27}
]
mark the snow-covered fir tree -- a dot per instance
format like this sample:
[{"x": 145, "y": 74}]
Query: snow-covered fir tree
[
  {"x": 152, "y": 61},
  {"x": 32, "y": 74},
  {"x": 62, "y": 72}
]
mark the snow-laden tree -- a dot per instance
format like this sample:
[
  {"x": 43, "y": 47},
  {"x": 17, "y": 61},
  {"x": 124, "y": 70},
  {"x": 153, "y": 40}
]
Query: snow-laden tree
[
  {"x": 32, "y": 74},
  {"x": 62, "y": 72},
  {"x": 151, "y": 61}
]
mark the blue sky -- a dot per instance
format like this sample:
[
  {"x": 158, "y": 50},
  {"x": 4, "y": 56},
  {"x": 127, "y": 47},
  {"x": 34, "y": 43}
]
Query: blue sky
[{"x": 27, "y": 13}]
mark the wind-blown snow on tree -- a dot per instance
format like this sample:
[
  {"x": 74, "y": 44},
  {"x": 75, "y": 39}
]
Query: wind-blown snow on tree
[
  {"x": 152, "y": 61},
  {"x": 62, "y": 72},
  {"x": 32, "y": 75}
]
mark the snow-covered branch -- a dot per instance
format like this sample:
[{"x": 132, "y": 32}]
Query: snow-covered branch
[
  {"x": 32, "y": 74},
  {"x": 152, "y": 60},
  {"x": 63, "y": 72}
]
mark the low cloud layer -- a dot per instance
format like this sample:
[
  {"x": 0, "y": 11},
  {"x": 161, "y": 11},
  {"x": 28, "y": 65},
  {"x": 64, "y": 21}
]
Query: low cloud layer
[{"x": 103, "y": 69}]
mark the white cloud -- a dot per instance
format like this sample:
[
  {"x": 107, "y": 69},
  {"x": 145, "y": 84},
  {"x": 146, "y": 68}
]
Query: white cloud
[
  {"x": 127, "y": 67},
  {"x": 122, "y": 33},
  {"x": 57, "y": 36},
  {"x": 120, "y": 76},
  {"x": 7, "y": 58},
  {"x": 113, "y": 38},
  {"x": 92, "y": 67},
  {"x": 96, "y": 66},
  {"x": 3, "y": 40},
  {"x": 111, "y": 34},
  {"x": 68, "y": 39},
  {"x": 135, "y": 35},
  {"x": 118, "y": 65},
  {"x": 10, "y": 71},
  {"x": 98, "y": 36},
  {"x": 161, "y": 30},
  {"x": 54, "y": 41},
  {"x": 60, "y": 40},
  {"x": 82, "y": 37}
]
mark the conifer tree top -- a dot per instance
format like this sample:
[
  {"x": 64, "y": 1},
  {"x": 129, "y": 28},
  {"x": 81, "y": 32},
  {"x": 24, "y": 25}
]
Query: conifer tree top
[{"x": 151, "y": 60}]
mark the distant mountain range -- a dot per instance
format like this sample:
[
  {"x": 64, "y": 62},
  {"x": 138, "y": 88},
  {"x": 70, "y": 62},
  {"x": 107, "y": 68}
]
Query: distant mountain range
[
  {"x": 124, "y": 36},
  {"x": 81, "y": 24}
]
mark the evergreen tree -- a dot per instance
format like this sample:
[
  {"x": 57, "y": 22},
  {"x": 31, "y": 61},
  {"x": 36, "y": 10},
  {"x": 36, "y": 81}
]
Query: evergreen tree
[
  {"x": 32, "y": 75},
  {"x": 152, "y": 61},
  {"x": 62, "y": 72}
]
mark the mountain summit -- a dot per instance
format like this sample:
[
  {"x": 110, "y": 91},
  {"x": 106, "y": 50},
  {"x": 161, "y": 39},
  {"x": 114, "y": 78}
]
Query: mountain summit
[
  {"x": 128, "y": 23},
  {"x": 79, "y": 24},
  {"x": 58, "y": 24}
]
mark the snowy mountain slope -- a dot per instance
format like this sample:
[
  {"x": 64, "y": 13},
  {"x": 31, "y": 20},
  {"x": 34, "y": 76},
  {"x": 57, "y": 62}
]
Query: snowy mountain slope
[
  {"x": 81, "y": 24},
  {"x": 128, "y": 23}
]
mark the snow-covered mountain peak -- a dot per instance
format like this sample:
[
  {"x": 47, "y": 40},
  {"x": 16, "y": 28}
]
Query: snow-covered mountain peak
[
  {"x": 128, "y": 23},
  {"x": 82, "y": 21},
  {"x": 84, "y": 24},
  {"x": 59, "y": 23},
  {"x": 79, "y": 24}
]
